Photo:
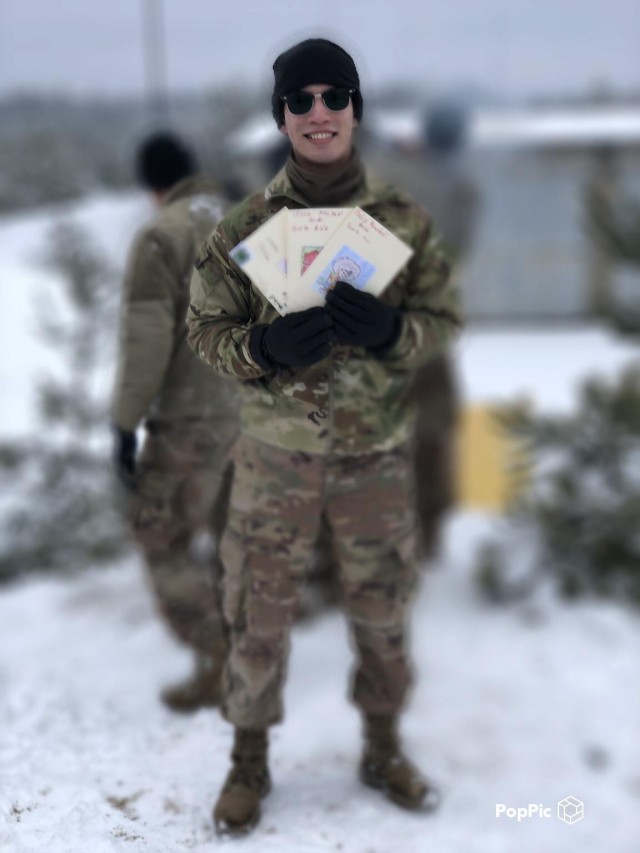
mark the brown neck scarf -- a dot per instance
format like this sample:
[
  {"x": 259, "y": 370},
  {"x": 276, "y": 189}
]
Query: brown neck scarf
[{"x": 330, "y": 185}]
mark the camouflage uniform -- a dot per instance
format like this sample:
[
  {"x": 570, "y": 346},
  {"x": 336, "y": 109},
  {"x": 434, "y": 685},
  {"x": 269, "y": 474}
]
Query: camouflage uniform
[
  {"x": 326, "y": 440},
  {"x": 178, "y": 508}
]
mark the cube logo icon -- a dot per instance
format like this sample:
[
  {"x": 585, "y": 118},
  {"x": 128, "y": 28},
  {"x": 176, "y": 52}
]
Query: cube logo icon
[{"x": 570, "y": 810}]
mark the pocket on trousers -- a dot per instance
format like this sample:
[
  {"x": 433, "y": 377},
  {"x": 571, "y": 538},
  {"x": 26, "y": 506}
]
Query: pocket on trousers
[
  {"x": 155, "y": 518},
  {"x": 381, "y": 601}
]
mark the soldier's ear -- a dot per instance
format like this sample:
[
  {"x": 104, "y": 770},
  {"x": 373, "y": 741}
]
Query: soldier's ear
[{"x": 283, "y": 129}]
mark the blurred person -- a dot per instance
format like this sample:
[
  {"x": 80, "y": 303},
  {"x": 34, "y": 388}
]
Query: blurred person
[
  {"x": 180, "y": 480},
  {"x": 325, "y": 428},
  {"x": 615, "y": 226},
  {"x": 433, "y": 171},
  {"x": 451, "y": 197}
]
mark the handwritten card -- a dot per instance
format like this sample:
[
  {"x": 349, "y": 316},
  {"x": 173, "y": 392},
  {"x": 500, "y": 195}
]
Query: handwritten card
[
  {"x": 263, "y": 257},
  {"x": 361, "y": 251},
  {"x": 308, "y": 232},
  {"x": 297, "y": 255}
]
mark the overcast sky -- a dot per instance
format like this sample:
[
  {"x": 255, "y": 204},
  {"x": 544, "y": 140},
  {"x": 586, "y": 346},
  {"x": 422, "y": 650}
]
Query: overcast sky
[{"x": 512, "y": 46}]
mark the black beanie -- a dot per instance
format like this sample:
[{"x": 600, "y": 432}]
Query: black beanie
[
  {"x": 162, "y": 160},
  {"x": 309, "y": 63}
]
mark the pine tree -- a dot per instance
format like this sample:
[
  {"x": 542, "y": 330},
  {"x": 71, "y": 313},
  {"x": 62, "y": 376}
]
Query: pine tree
[
  {"x": 61, "y": 511},
  {"x": 578, "y": 520}
]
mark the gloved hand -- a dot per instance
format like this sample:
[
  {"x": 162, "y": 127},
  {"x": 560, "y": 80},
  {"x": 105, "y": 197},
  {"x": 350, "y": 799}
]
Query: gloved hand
[
  {"x": 360, "y": 319},
  {"x": 295, "y": 340},
  {"x": 125, "y": 445}
]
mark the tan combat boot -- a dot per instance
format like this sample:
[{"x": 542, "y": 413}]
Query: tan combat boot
[
  {"x": 201, "y": 690},
  {"x": 385, "y": 768},
  {"x": 238, "y": 808}
]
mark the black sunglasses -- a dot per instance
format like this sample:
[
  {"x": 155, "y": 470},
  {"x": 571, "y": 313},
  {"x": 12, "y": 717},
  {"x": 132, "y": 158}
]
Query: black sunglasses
[{"x": 335, "y": 100}]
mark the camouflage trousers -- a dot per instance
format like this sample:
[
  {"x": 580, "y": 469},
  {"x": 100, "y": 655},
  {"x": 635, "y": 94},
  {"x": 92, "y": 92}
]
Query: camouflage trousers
[
  {"x": 277, "y": 502},
  {"x": 178, "y": 513}
]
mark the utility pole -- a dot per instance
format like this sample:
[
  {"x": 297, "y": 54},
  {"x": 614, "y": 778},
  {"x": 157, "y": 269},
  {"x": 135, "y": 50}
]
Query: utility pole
[{"x": 155, "y": 64}]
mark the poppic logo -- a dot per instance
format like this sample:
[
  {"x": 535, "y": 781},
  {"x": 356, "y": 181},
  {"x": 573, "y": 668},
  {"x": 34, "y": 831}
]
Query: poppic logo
[
  {"x": 570, "y": 810},
  {"x": 522, "y": 812}
]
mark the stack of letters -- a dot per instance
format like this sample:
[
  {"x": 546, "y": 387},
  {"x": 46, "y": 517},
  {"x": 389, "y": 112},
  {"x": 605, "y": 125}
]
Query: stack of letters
[{"x": 297, "y": 255}]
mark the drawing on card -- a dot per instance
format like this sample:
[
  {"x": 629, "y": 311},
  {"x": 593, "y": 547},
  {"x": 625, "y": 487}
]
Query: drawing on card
[
  {"x": 241, "y": 254},
  {"x": 309, "y": 254},
  {"x": 346, "y": 265}
]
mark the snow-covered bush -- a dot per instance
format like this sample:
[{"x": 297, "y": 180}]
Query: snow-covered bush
[{"x": 578, "y": 522}]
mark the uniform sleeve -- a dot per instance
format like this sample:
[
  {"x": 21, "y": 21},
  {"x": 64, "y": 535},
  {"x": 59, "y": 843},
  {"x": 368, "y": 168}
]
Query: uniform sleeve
[
  {"x": 220, "y": 315},
  {"x": 431, "y": 309},
  {"x": 147, "y": 328}
]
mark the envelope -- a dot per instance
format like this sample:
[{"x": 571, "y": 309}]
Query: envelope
[
  {"x": 308, "y": 231},
  {"x": 361, "y": 252},
  {"x": 263, "y": 257}
]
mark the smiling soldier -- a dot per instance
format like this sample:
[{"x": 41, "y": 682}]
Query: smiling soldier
[{"x": 324, "y": 435}]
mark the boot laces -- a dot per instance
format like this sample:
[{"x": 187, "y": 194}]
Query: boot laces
[{"x": 248, "y": 769}]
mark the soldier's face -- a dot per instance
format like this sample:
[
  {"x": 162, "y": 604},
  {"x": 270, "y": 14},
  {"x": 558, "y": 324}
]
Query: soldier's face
[{"x": 321, "y": 136}]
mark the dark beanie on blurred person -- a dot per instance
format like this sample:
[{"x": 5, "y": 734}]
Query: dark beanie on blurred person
[
  {"x": 162, "y": 160},
  {"x": 312, "y": 62}
]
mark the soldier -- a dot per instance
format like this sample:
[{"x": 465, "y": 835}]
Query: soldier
[
  {"x": 616, "y": 227},
  {"x": 452, "y": 199},
  {"x": 180, "y": 482},
  {"x": 435, "y": 175},
  {"x": 324, "y": 432}
]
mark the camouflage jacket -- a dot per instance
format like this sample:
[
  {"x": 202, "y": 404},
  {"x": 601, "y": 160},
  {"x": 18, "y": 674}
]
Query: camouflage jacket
[
  {"x": 351, "y": 402},
  {"x": 158, "y": 377}
]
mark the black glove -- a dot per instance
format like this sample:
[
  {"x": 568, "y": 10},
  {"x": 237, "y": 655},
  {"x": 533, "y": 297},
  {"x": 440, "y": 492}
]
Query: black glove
[
  {"x": 295, "y": 340},
  {"x": 362, "y": 320},
  {"x": 125, "y": 444}
]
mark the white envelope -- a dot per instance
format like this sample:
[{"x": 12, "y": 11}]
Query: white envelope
[{"x": 263, "y": 257}]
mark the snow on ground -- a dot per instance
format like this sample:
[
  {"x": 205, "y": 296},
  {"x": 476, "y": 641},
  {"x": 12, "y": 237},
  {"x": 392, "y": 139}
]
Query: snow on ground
[
  {"x": 518, "y": 706},
  {"x": 543, "y": 365},
  {"x": 512, "y": 706}
]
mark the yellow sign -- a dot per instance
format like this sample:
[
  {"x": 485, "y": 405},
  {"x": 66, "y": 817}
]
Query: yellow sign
[{"x": 491, "y": 467}]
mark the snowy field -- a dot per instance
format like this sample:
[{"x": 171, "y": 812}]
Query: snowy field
[
  {"x": 519, "y": 706},
  {"x": 511, "y": 707}
]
